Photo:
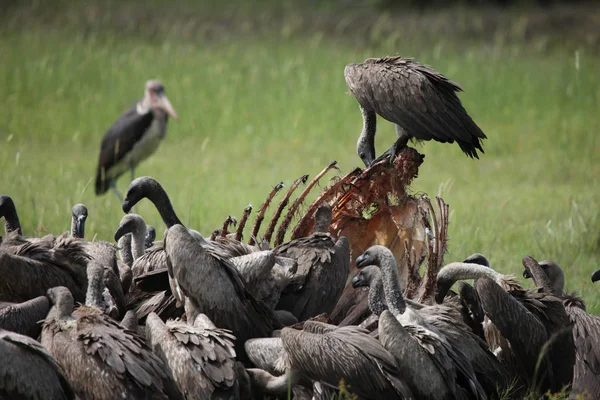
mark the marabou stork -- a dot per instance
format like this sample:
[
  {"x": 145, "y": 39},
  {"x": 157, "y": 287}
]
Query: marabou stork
[{"x": 133, "y": 137}]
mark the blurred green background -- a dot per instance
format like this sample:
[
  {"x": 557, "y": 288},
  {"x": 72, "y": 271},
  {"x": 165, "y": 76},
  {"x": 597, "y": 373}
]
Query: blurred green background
[{"x": 261, "y": 97}]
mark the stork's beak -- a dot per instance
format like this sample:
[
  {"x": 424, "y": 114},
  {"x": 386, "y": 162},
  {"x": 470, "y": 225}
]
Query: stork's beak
[{"x": 165, "y": 104}]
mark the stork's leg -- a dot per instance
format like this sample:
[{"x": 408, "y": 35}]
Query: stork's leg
[
  {"x": 113, "y": 187},
  {"x": 398, "y": 145}
]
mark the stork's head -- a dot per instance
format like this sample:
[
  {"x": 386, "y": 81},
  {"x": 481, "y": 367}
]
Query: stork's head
[{"x": 156, "y": 98}]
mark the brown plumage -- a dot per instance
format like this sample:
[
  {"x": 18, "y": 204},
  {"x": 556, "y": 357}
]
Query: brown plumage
[
  {"x": 466, "y": 367},
  {"x": 347, "y": 353},
  {"x": 214, "y": 287},
  {"x": 324, "y": 265},
  {"x": 29, "y": 269},
  {"x": 586, "y": 327},
  {"x": 420, "y": 101},
  {"x": 100, "y": 358},
  {"x": 266, "y": 353},
  {"x": 520, "y": 323},
  {"x": 23, "y": 318},
  {"x": 200, "y": 356},
  {"x": 27, "y": 371}
]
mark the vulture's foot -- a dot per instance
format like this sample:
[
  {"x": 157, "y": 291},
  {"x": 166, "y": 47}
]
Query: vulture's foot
[{"x": 393, "y": 151}]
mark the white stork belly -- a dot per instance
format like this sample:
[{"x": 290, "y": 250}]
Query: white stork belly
[{"x": 139, "y": 152}]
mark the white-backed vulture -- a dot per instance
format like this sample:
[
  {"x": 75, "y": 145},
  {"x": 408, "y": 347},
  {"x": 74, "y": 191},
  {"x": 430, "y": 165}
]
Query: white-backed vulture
[
  {"x": 465, "y": 367},
  {"x": 100, "y": 358},
  {"x": 24, "y": 318},
  {"x": 322, "y": 263},
  {"x": 419, "y": 100},
  {"x": 549, "y": 276},
  {"x": 214, "y": 287},
  {"x": 347, "y": 353},
  {"x": 525, "y": 321},
  {"x": 200, "y": 356},
  {"x": 27, "y": 371}
]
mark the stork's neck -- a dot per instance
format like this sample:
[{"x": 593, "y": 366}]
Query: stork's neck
[
  {"x": 144, "y": 106},
  {"x": 391, "y": 283}
]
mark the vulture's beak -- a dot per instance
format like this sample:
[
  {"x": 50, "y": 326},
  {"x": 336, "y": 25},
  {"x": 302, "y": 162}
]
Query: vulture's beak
[
  {"x": 165, "y": 104},
  {"x": 596, "y": 276},
  {"x": 361, "y": 261},
  {"x": 357, "y": 281},
  {"x": 80, "y": 225}
]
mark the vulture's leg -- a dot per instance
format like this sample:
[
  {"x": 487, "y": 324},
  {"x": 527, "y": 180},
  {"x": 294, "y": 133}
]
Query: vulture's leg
[
  {"x": 132, "y": 170},
  {"x": 366, "y": 141},
  {"x": 399, "y": 144}
]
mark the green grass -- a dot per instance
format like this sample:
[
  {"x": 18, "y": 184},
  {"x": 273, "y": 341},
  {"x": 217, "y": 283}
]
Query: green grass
[{"x": 257, "y": 109}]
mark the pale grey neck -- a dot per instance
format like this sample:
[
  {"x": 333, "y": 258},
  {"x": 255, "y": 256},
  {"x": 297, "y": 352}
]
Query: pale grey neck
[
  {"x": 391, "y": 283},
  {"x": 125, "y": 249},
  {"x": 138, "y": 244},
  {"x": 321, "y": 226},
  {"x": 367, "y": 135},
  {"x": 93, "y": 296},
  {"x": 376, "y": 303},
  {"x": 458, "y": 271},
  {"x": 74, "y": 230}
]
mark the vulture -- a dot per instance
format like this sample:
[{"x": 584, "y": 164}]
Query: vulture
[
  {"x": 29, "y": 269},
  {"x": 345, "y": 354},
  {"x": 117, "y": 275},
  {"x": 457, "y": 362},
  {"x": 549, "y": 276},
  {"x": 101, "y": 359},
  {"x": 323, "y": 263},
  {"x": 144, "y": 260},
  {"x": 199, "y": 355},
  {"x": 27, "y": 371},
  {"x": 521, "y": 324},
  {"x": 266, "y": 354},
  {"x": 266, "y": 276},
  {"x": 420, "y": 101},
  {"x": 213, "y": 286},
  {"x": 596, "y": 276},
  {"x": 9, "y": 212},
  {"x": 144, "y": 263},
  {"x": 133, "y": 137},
  {"x": 24, "y": 318}
]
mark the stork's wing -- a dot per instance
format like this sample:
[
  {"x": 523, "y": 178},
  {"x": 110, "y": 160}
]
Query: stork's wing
[
  {"x": 416, "y": 97},
  {"x": 118, "y": 140}
]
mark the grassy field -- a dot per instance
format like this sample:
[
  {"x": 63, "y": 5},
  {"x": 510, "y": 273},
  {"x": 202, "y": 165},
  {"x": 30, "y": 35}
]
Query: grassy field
[{"x": 267, "y": 102}]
